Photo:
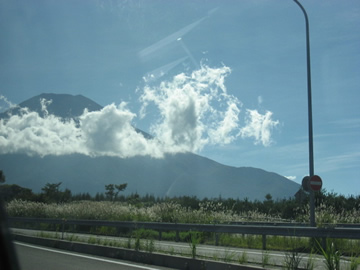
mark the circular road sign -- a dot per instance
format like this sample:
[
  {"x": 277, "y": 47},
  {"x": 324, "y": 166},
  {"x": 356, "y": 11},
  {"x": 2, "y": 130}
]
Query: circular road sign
[{"x": 315, "y": 183}]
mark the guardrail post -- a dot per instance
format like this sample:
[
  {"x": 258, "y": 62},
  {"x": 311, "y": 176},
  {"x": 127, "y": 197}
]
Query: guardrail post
[
  {"x": 160, "y": 235},
  {"x": 264, "y": 241},
  {"x": 63, "y": 228},
  {"x": 216, "y": 234},
  {"x": 177, "y": 236},
  {"x": 323, "y": 243}
]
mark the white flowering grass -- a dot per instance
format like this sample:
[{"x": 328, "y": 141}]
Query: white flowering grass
[
  {"x": 326, "y": 214},
  {"x": 208, "y": 212}
]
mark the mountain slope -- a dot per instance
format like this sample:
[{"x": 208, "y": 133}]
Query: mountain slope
[
  {"x": 62, "y": 105},
  {"x": 175, "y": 175}
]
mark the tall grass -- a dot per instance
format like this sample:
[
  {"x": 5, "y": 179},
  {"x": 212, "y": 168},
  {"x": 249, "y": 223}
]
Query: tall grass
[
  {"x": 331, "y": 255},
  {"x": 327, "y": 214},
  {"x": 293, "y": 257},
  {"x": 120, "y": 211},
  {"x": 207, "y": 213}
]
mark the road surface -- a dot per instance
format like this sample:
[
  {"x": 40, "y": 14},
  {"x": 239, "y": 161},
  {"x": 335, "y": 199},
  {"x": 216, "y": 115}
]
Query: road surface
[
  {"x": 32, "y": 257},
  {"x": 274, "y": 259}
]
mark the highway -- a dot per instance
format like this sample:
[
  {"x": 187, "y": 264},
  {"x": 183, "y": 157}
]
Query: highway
[
  {"x": 251, "y": 256},
  {"x": 32, "y": 257},
  {"x": 178, "y": 248}
]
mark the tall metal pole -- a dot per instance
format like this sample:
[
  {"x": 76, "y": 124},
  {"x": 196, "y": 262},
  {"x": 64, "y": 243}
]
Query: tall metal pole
[{"x": 311, "y": 148}]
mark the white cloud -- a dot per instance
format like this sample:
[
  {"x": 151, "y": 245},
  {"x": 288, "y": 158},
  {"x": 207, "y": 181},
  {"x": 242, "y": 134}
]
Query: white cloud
[
  {"x": 31, "y": 134},
  {"x": 292, "y": 178},
  {"x": 7, "y": 104},
  {"x": 106, "y": 132},
  {"x": 223, "y": 133},
  {"x": 109, "y": 132},
  {"x": 44, "y": 104},
  {"x": 188, "y": 105},
  {"x": 259, "y": 126},
  {"x": 195, "y": 110}
]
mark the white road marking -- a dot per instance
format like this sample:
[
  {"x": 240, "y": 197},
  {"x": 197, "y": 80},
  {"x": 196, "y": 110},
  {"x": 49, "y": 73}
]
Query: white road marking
[{"x": 87, "y": 257}]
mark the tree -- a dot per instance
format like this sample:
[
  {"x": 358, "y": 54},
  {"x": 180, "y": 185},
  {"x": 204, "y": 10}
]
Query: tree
[
  {"x": 119, "y": 188},
  {"x": 268, "y": 197},
  {"x": 65, "y": 196},
  {"x": 99, "y": 197},
  {"x": 2, "y": 177},
  {"x": 110, "y": 193},
  {"x": 10, "y": 192},
  {"x": 51, "y": 192}
]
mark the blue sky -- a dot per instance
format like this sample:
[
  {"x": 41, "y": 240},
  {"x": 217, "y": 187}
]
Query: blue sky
[{"x": 132, "y": 52}]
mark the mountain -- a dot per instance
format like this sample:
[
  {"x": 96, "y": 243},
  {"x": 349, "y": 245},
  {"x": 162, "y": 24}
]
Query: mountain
[
  {"x": 175, "y": 175},
  {"x": 62, "y": 105}
]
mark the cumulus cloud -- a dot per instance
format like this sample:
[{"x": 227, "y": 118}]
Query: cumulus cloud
[
  {"x": 292, "y": 178},
  {"x": 194, "y": 110},
  {"x": 189, "y": 118},
  {"x": 106, "y": 132},
  {"x": 31, "y": 134},
  {"x": 259, "y": 127},
  {"x": 109, "y": 132}
]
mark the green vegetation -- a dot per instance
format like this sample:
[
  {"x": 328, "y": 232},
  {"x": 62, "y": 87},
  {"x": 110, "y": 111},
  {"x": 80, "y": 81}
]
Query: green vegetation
[
  {"x": 113, "y": 190},
  {"x": 2, "y": 177},
  {"x": 265, "y": 258},
  {"x": 243, "y": 258},
  {"x": 330, "y": 207},
  {"x": 52, "y": 202},
  {"x": 293, "y": 257},
  {"x": 354, "y": 262},
  {"x": 331, "y": 255},
  {"x": 194, "y": 241}
]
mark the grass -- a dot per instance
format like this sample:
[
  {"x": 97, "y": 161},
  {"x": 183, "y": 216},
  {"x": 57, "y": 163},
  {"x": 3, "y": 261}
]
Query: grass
[
  {"x": 150, "y": 246},
  {"x": 293, "y": 257},
  {"x": 310, "y": 263},
  {"x": 292, "y": 260},
  {"x": 229, "y": 256},
  {"x": 354, "y": 262},
  {"x": 243, "y": 258},
  {"x": 194, "y": 241},
  {"x": 331, "y": 255},
  {"x": 171, "y": 212},
  {"x": 265, "y": 258}
]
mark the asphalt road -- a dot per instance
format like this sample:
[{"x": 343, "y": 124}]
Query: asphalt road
[
  {"x": 205, "y": 251},
  {"x": 253, "y": 256},
  {"x": 33, "y": 257}
]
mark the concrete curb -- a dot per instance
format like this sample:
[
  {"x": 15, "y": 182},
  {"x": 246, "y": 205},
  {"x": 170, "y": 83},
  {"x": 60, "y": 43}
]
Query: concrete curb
[{"x": 164, "y": 260}]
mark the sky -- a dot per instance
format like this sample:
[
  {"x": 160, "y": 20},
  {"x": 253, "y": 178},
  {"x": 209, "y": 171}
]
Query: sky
[{"x": 224, "y": 79}]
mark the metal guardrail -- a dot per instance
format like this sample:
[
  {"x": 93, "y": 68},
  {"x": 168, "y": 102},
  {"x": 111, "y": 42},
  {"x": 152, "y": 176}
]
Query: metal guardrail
[
  {"x": 295, "y": 224},
  {"x": 246, "y": 229}
]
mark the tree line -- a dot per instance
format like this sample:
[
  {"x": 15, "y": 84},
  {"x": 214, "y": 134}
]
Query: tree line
[
  {"x": 51, "y": 193},
  {"x": 285, "y": 208}
]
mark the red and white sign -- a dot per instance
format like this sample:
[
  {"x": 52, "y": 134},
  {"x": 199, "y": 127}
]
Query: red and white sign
[{"x": 315, "y": 183}]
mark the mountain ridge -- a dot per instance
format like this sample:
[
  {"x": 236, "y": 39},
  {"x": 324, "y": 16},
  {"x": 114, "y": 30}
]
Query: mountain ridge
[
  {"x": 57, "y": 102},
  {"x": 174, "y": 175}
]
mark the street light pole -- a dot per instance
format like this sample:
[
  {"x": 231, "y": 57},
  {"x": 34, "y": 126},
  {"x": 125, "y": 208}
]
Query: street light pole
[{"x": 311, "y": 148}]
